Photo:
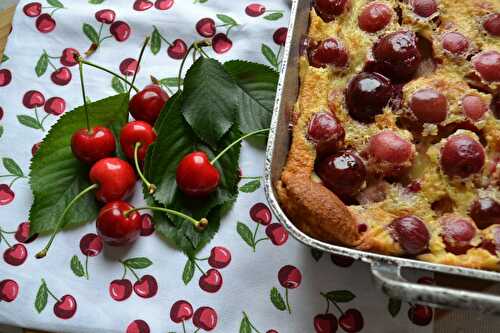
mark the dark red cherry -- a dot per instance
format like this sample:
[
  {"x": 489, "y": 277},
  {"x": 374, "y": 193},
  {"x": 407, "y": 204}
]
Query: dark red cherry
[
  {"x": 33, "y": 99},
  {"x": 146, "y": 287},
  {"x": 474, "y": 107},
  {"x": 177, "y": 50},
  {"x": 411, "y": 234},
  {"x": 341, "y": 261},
  {"x": 5, "y": 77},
  {"x": 116, "y": 226},
  {"x": 45, "y": 23},
  {"x": 261, "y": 214},
  {"x": 129, "y": 66},
  {"x": 55, "y": 106},
  {"x": 424, "y": 8},
  {"x": 492, "y": 24},
  {"x": 279, "y": 36},
  {"x": 457, "y": 233},
  {"x": 220, "y": 257},
  {"x": 181, "y": 311},
  {"x": 69, "y": 57},
  {"x": 487, "y": 64},
  {"x": 142, "y": 5},
  {"x": 120, "y": 290},
  {"x": 65, "y": 307},
  {"x": 328, "y": 9},
  {"x": 6, "y": 195},
  {"x": 374, "y": 17},
  {"x": 255, "y": 9},
  {"x": 8, "y": 290},
  {"x": 367, "y": 94},
  {"x": 455, "y": 43},
  {"x": 164, "y": 4},
  {"x": 221, "y": 43},
  {"x": 91, "y": 147},
  {"x": 420, "y": 315},
  {"x": 351, "y": 321},
  {"x": 211, "y": 281},
  {"x": 325, "y": 323},
  {"x": 389, "y": 147},
  {"x": 326, "y": 132},
  {"x": 91, "y": 245},
  {"x": 120, "y": 30},
  {"x": 61, "y": 76},
  {"x": 205, "y": 318},
  {"x": 196, "y": 176},
  {"x": 206, "y": 27},
  {"x": 134, "y": 132},
  {"x": 32, "y": 9},
  {"x": 147, "y": 104},
  {"x": 115, "y": 177},
  {"x": 147, "y": 225},
  {"x": 397, "y": 55},
  {"x": 22, "y": 234},
  {"x": 289, "y": 277},
  {"x": 277, "y": 233},
  {"x": 485, "y": 212},
  {"x": 462, "y": 156},
  {"x": 138, "y": 326},
  {"x": 106, "y": 16},
  {"x": 328, "y": 52},
  {"x": 15, "y": 255},
  {"x": 429, "y": 105}
]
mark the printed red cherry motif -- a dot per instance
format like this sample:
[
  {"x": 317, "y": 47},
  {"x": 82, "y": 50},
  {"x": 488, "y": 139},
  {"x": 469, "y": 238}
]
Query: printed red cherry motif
[
  {"x": 45, "y": 23},
  {"x": 220, "y": 257},
  {"x": 147, "y": 225},
  {"x": 61, "y": 76},
  {"x": 221, "y": 43},
  {"x": 181, "y": 311},
  {"x": 462, "y": 156},
  {"x": 142, "y": 5},
  {"x": 164, "y": 4},
  {"x": 196, "y": 176},
  {"x": 91, "y": 245},
  {"x": 146, "y": 287},
  {"x": 65, "y": 308},
  {"x": 205, "y": 318},
  {"x": 261, "y": 214},
  {"x": 424, "y": 8},
  {"x": 15, "y": 255},
  {"x": 255, "y": 9},
  {"x": 492, "y": 24},
  {"x": 22, "y": 234},
  {"x": 6, "y": 195},
  {"x": 272, "y": 331},
  {"x": 55, "y": 106},
  {"x": 106, "y": 16},
  {"x": 136, "y": 132},
  {"x": 420, "y": 315},
  {"x": 211, "y": 281},
  {"x": 487, "y": 64},
  {"x": 120, "y": 290},
  {"x": 457, "y": 233},
  {"x": 351, "y": 321},
  {"x": 277, "y": 233},
  {"x": 341, "y": 261},
  {"x": 129, "y": 66},
  {"x": 279, "y": 36},
  {"x": 325, "y": 323},
  {"x": 289, "y": 277},
  {"x": 1, "y": 113},
  {"x": 147, "y": 104},
  {"x": 69, "y": 56},
  {"x": 374, "y": 16},
  {"x": 94, "y": 146},
  {"x": 9, "y": 290},
  {"x": 411, "y": 233},
  {"x": 115, "y": 226},
  {"x": 206, "y": 27},
  {"x": 5, "y": 77},
  {"x": 32, "y": 9},
  {"x": 177, "y": 49},
  {"x": 33, "y": 99},
  {"x": 138, "y": 326},
  {"x": 120, "y": 30}
]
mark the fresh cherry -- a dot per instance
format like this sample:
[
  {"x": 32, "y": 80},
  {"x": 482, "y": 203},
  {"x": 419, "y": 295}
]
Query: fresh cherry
[
  {"x": 45, "y": 23},
  {"x": 462, "y": 156},
  {"x": 91, "y": 245},
  {"x": 351, "y": 321},
  {"x": 15, "y": 255},
  {"x": 206, "y": 27},
  {"x": 116, "y": 226},
  {"x": 220, "y": 257},
  {"x": 492, "y": 24},
  {"x": 411, "y": 234},
  {"x": 255, "y": 9},
  {"x": 69, "y": 56},
  {"x": 374, "y": 16},
  {"x": 32, "y": 9},
  {"x": 196, "y": 176},
  {"x": 279, "y": 36},
  {"x": 325, "y": 323},
  {"x": 93, "y": 146},
  {"x": 485, "y": 212},
  {"x": 487, "y": 64},
  {"x": 181, "y": 311},
  {"x": 387, "y": 146},
  {"x": 429, "y": 105},
  {"x": 65, "y": 308},
  {"x": 277, "y": 233},
  {"x": 33, "y": 99},
  {"x": 8, "y": 290},
  {"x": 138, "y": 326},
  {"x": 129, "y": 66},
  {"x": 147, "y": 225},
  {"x": 328, "y": 52},
  {"x": 146, "y": 286},
  {"x": 205, "y": 318},
  {"x": 164, "y": 4},
  {"x": 328, "y": 9},
  {"x": 221, "y": 43},
  {"x": 55, "y": 106},
  {"x": 457, "y": 233},
  {"x": 211, "y": 281},
  {"x": 120, "y": 30},
  {"x": 147, "y": 104},
  {"x": 22, "y": 234},
  {"x": 6, "y": 195},
  {"x": 367, "y": 94},
  {"x": 342, "y": 261},
  {"x": 5, "y": 77},
  {"x": 420, "y": 315},
  {"x": 474, "y": 107},
  {"x": 134, "y": 132},
  {"x": 424, "y": 8},
  {"x": 455, "y": 43},
  {"x": 326, "y": 132},
  {"x": 289, "y": 277},
  {"x": 177, "y": 50},
  {"x": 142, "y": 5},
  {"x": 120, "y": 290},
  {"x": 261, "y": 214},
  {"x": 106, "y": 16}
]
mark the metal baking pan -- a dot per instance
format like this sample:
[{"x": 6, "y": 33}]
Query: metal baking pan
[{"x": 386, "y": 270}]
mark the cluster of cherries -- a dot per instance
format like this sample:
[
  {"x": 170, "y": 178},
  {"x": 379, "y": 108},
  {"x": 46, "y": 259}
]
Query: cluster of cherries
[
  {"x": 204, "y": 317},
  {"x": 44, "y": 23},
  {"x": 142, "y": 5},
  {"x": 396, "y": 59}
]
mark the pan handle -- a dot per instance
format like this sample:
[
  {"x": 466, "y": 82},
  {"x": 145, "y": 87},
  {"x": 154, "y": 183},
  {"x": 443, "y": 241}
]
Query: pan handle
[{"x": 388, "y": 278}]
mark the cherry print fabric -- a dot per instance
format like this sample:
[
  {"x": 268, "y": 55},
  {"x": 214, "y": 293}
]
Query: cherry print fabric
[{"x": 252, "y": 277}]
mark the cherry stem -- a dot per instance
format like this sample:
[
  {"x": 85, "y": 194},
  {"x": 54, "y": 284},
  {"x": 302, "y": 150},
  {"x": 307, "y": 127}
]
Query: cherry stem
[
  {"x": 99, "y": 35},
  {"x": 87, "y": 267},
  {"x": 38, "y": 119},
  {"x": 146, "y": 41},
  {"x": 15, "y": 180},
  {"x": 197, "y": 330},
  {"x": 4, "y": 239},
  {"x": 334, "y": 303},
  {"x": 260, "y": 240},
  {"x": 50, "y": 292},
  {"x": 200, "y": 49},
  {"x": 238, "y": 141},
  {"x": 161, "y": 36},
  {"x": 201, "y": 259},
  {"x": 198, "y": 266},
  {"x": 80, "y": 68},
  {"x": 183, "y": 327},
  {"x": 86, "y": 62},
  {"x": 250, "y": 323},
  {"x": 182, "y": 66},
  {"x": 287, "y": 303},
  {"x": 255, "y": 235},
  {"x": 124, "y": 270},
  {"x": 327, "y": 305},
  {"x": 199, "y": 224},
  {"x": 151, "y": 187},
  {"x": 59, "y": 224},
  {"x": 248, "y": 177}
]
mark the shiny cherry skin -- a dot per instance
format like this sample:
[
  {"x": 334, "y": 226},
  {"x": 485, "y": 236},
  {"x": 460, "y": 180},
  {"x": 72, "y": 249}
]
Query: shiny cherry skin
[
  {"x": 374, "y": 17},
  {"x": 474, "y": 107},
  {"x": 146, "y": 286},
  {"x": 120, "y": 290},
  {"x": 205, "y": 318},
  {"x": 106, "y": 16},
  {"x": 211, "y": 281},
  {"x": 220, "y": 257},
  {"x": 22, "y": 234},
  {"x": 420, "y": 315},
  {"x": 389, "y": 147},
  {"x": 255, "y": 9},
  {"x": 120, "y": 30},
  {"x": 147, "y": 104},
  {"x": 65, "y": 307},
  {"x": 495, "y": 106},
  {"x": 260, "y": 213},
  {"x": 424, "y": 8},
  {"x": 457, "y": 233},
  {"x": 115, "y": 177},
  {"x": 485, "y": 212},
  {"x": 91, "y": 147},
  {"x": 462, "y": 156},
  {"x": 289, "y": 277},
  {"x": 411, "y": 234},
  {"x": 326, "y": 132},
  {"x": 177, "y": 50},
  {"x": 487, "y": 64},
  {"x": 32, "y": 9},
  {"x": 8, "y": 290},
  {"x": 15, "y": 255},
  {"x": 181, "y": 311},
  {"x": 351, "y": 321},
  {"x": 206, "y": 27},
  {"x": 117, "y": 227},
  {"x": 328, "y": 9},
  {"x": 279, "y": 36},
  {"x": 367, "y": 94},
  {"x": 455, "y": 43},
  {"x": 133, "y": 132},
  {"x": 328, "y": 52},
  {"x": 45, "y": 23},
  {"x": 91, "y": 245},
  {"x": 325, "y": 323},
  {"x": 196, "y": 176},
  {"x": 277, "y": 234},
  {"x": 429, "y": 105},
  {"x": 492, "y": 24},
  {"x": 397, "y": 55}
]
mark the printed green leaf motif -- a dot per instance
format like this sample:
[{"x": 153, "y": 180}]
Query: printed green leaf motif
[
  {"x": 273, "y": 16},
  {"x": 1, "y": 131},
  {"x": 155, "y": 42},
  {"x": 41, "y": 297},
  {"x": 340, "y": 296},
  {"x": 251, "y": 186},
  {"x": 55, "y": 3},
  {"x": 245, "y": 326},
  {"x": 171, "y": 81},
  {"x": 138, "y": 263},
  {"x": 269, "y": 54},
  {"x": 245, "y": 233},
  {"x": 57, "y": 176},
  {"x": 4, "y": 59},
  {"x": 42, "y": 64},
  {"x": 77, "y": 267},
  {"x": 96, "y": 2},
  {"x": 188, "y": 272},
  {"x": 29, "y": 121},
  {"x": 226, "y": 19},
  {"x": 394, "y": 306},
  {"x": 277, "y": 299},
  {"x": 316, "y": 254},
  {"x": 117, "y": 85},
  {"x": 11, "y": 166},
  {"x": 90, "y": 32}
]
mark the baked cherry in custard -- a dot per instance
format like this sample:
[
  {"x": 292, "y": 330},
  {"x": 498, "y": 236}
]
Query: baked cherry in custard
[
  {"x": 474, "y": 107},
  {"x": 462, "y": 156},
  {"x": 375, "y": 16},
  {"x": 326, "y": 132},
  {"x": 485, "y": 212},
  {"x": 487, "y": 64},
  {"x": 457, "y": 233},
  {"x": 328, "y": 9},
  {"x": 328, "y": 52},
  {"x": 455, "y": 43},
  {"x": 492, "y": 24},
  {"x": 411, "y": 234},
  {"x": 389, "y": 153},
  {"x": 424, "y": 8},
  {"x": 429, "y": 105}
]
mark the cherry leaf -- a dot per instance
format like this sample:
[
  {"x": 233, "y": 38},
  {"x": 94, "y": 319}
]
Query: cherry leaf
[
  {"x": 55, "y": 3},
  {"x": 340, "y": 296},
  {"x": 41, "y": 297},
  {"x": 117, "y": 85},
  {"x": 251, "y": 186},
  {"x": 96, "y": 2},
  {"x": 171, "y": 82},
  {"x": 91, "y": 34},
  {"x": 277, "y": 299},
  {"x": 227, "y": 19},
  {"x": 42, "y": 64},
  {"x": 4, "y": 59},
  {"x": 11, "y": 166},
  {"x": 188, "y": 272},
  {"x": 29, "y": 121},
  {"x": 138, "y": 263},
  {"x": 245, "y": 233},
  {"x": 273, "y": 16},
  {"x": 76, "y": 266},
  {"x": 394, "y": 306},
  {"x": 270, "y": 56},
  {"x": 245, "y": 326},
  {"x": 155, "y": 42},
  {"x": 1, "y": 131}
]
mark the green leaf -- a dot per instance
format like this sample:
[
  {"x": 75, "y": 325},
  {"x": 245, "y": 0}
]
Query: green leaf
[
  {"x": 138, "y": 263},
  {"x": 90, "y": 32},
  {"x": 245, "y": 233},
  {"x": 117, "y": 85},
  {"x": 4, "y": 59},
  {"x": 273, "y": 16},
  {"x": 210, "y": 100},
  {"x": 394, "y": 306},
  {"x": 269, "y": 54},
  {"x": 340, "y": 296},
  {"x": 55, "y": 3},
  {"x": 251, "y": 186},
  {"x": 226, "y": 19},
  {"x": 42, "y": 64},
  {"x": 316, "y": 254},
  {"x": 29, "y": 121},
  {"x": 171, "y": 81},
  {"x": 1, "y": 131},
  {"x": 96, "y": 2},
  {"x": 277, "y": 299},
  {"x": 155, "y": 42},
  {"x": 188, "y": 272},
  {"x": 77, "y": 267},
  {"x": 57, "y": 176},
  {"x": 245, "y": 326},
  {"x": 11, "y": 166},
  {"x": 41, "y": 297}
]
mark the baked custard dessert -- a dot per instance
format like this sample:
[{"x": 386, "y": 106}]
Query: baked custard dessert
[{"x": 396, "y": 130}]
